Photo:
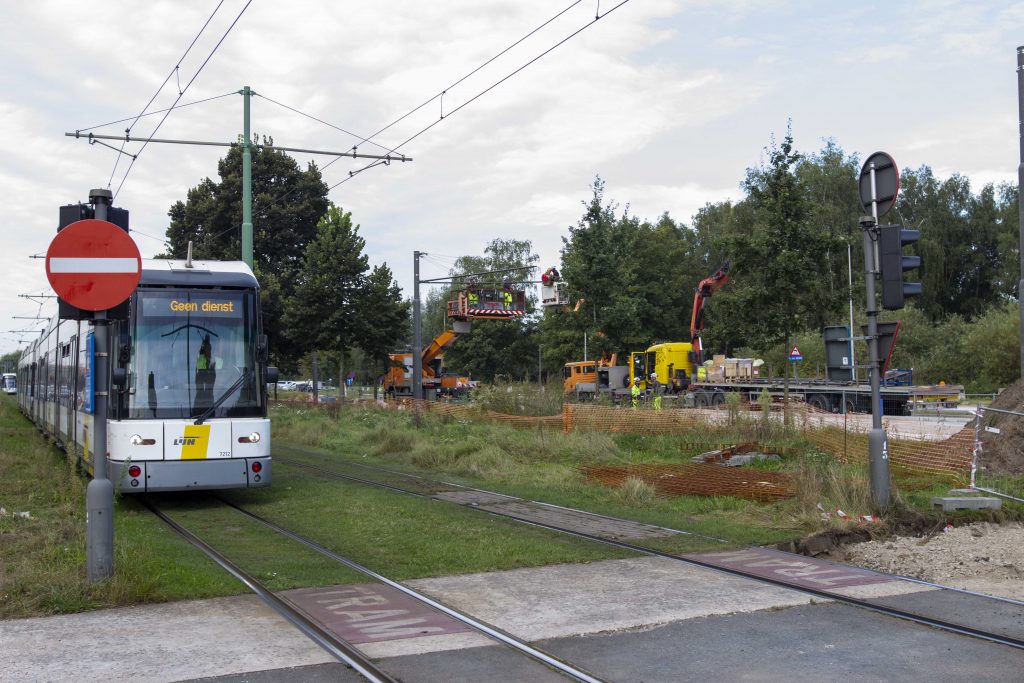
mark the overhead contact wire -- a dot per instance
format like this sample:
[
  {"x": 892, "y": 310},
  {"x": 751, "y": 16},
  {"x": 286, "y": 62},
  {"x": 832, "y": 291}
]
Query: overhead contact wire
[
  {"x": 415, "y": 109},
  {"x": 181, "y": 93},
  {"x": 172, "y": 72},
  {"x": 326, "y": 123},
  {"x": 156, "y": 111},
  {"x": 481, "y": 93},
  {"x": 441, "y": 94}
]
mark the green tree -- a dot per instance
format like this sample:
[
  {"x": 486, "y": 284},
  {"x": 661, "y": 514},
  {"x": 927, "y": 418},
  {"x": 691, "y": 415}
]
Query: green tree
[
  {"x": 9, "y": 361},
  {"x": 287, "y": 205},
  {"x": 381, "y": 317},
  {"x": 631, "y": 281},
  {"x": 336, "y": 306},
  {"x": 781, "y": 282}
]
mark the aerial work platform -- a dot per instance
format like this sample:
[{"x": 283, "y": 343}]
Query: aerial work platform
[{"x": 487, "y": 304}]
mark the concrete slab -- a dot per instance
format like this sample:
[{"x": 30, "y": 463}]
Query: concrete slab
[
  {"x": 473, "y": 497},
  {"x": 583, "y": 522},
  {"x": 883, "y": 590},
  {"x": 563, "y": 600},
  {"x": 949, "y": 503},
  {"x": 154, "y": 643}
]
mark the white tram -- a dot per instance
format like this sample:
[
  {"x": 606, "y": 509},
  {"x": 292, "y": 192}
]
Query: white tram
[{"x": 187, "y": 403}]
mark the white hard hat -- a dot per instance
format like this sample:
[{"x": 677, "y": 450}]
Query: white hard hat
[
  {"x": 654, "y": 375},
  {"x": 636, "y": 380}
]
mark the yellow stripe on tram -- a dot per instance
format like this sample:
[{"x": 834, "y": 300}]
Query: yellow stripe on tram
[{"x": 196, "y": 441}]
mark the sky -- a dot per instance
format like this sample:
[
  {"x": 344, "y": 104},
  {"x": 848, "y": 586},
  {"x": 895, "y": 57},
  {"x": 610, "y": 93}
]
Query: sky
[{"x": 668, "y": 101}]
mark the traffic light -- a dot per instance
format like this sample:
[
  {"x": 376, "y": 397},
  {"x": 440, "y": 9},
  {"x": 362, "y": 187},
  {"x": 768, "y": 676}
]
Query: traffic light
[{"x": 891, "y": 240}]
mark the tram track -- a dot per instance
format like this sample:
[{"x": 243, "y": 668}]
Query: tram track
[
  {"x": 335, "y": 645},
  {"x": 427, "y": 488}
]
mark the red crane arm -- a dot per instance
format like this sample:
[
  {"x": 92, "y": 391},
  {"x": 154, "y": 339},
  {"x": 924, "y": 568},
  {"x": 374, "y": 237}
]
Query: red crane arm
[{"x": 705, "y": 288}]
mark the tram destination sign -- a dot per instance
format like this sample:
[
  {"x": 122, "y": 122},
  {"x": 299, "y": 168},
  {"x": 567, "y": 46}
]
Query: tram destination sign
[{"x": 93, "y": 265}]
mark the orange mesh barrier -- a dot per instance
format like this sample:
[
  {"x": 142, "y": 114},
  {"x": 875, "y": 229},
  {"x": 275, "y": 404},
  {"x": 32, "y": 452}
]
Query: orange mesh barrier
[
  {"x": 582, "y": 416},
  {"x": 950, "y": 457},
  {"x": 845, "y": 439},
  {"x": 698, "y": 480}
]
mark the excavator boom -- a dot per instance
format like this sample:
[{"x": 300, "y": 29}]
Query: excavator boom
[{"x": 705, "y": 288}]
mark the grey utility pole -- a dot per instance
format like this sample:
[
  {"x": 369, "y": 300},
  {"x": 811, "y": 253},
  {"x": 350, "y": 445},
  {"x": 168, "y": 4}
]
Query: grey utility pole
[
  {"x": 246, "y": 145},
  {"x": 1020, "y": 194},
  {"x": 417, "y": 342},
  {"x": 99, "y": 494},
  {"x": 878, "y": 444},
  {"x": 246, "y": 179}
]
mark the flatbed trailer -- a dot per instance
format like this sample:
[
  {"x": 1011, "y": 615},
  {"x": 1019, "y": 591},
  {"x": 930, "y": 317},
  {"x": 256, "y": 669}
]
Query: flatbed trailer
[{"x": 833, "y": 397}]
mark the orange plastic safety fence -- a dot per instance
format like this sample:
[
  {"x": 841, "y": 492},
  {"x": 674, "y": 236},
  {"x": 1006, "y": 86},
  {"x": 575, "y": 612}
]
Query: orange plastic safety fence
[
  {"x": 848, "y": 442},
  {"x": 950, "y": 457},
  {"x": 469, "y": 412},
  {"x": 580, "y": 416}
]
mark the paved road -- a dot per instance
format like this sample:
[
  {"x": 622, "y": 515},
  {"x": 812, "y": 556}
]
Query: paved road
[{"x": 641, "y": 619}]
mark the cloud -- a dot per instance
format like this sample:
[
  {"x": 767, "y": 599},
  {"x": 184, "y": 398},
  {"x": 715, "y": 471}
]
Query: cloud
[{"x": 668, "y": 100}]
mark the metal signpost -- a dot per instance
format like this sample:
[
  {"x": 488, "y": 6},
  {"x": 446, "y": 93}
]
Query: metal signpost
[
  {"x": 1020, "y": 192},
  {"x": 795, "y": 356},
  {"x": 879, "y": 186},
  {"x": 94, "y": 266}
]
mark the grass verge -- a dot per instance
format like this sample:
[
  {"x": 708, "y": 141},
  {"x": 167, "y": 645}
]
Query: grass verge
[{"x": 43, "y": 554}]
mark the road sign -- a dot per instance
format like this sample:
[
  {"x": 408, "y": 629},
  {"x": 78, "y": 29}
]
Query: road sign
[
  {"x": 887, "y": 183},
  {"x": 795, "y": 354},
  {"x": 93, "y": 265}
]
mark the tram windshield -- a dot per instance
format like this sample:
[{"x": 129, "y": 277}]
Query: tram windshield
[{"x": 190, "y": 348}]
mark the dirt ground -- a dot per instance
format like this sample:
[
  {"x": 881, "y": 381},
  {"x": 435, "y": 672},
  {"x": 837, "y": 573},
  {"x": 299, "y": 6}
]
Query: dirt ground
[
  {"x": 983, "y": 557},
  {"x": 1003, "y": 453}
]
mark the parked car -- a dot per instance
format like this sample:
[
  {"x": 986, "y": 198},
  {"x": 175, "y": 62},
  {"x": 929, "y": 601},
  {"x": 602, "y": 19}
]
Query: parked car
[{"x": 286, "y": 385}]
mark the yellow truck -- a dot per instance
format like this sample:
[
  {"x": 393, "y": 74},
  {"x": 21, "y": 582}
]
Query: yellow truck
[{"x": 673, "y": 362}]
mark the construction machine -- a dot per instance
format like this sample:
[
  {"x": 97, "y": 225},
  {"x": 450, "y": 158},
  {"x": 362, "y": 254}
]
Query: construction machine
[
  {"x": 472, "y": 303},
  {"x": 586, "y": 379},
  {"x": 398, "y": 380},
  {"x": 705, "y": 288}
]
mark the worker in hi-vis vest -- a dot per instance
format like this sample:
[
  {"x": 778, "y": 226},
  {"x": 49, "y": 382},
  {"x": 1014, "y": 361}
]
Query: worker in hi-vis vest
[
  {"x": 657, "y": 389},
  {"x": 635, "y": 392}
]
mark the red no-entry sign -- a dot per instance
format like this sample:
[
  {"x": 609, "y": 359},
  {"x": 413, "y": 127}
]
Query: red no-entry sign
[{"x": 93, "y": 265}]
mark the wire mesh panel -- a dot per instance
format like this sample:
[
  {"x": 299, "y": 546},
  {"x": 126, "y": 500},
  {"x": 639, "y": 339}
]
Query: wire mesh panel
[{"x": 998, "y": 441}]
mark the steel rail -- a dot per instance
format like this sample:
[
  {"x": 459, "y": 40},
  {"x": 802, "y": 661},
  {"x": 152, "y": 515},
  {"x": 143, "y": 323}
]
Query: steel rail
[
  {"x": 694, "y": 534},
  {"x": 463, "y": 487},
  {"x": 856, "y": 602},
  {"x": 486, "y": 629},
  {"x": 337, "y": 647}
]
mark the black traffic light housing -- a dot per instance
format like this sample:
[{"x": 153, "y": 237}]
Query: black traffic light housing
[
  {"x": 72, "y": 213},
  {"x": 893, "y": 264}
]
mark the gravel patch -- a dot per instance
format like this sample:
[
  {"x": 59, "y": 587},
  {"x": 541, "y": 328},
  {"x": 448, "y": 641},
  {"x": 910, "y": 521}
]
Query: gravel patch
[{"x": 984, "y": 557}]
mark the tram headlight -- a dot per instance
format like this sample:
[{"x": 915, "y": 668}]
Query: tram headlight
[
  {"x": 252, "y": 438},
  {"x": 135, "y": 440}
]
